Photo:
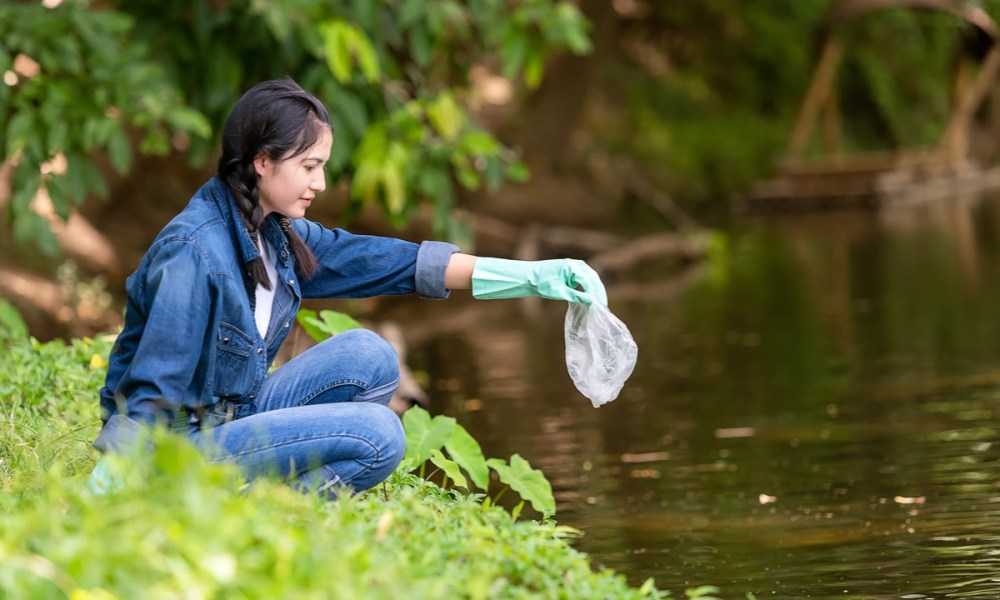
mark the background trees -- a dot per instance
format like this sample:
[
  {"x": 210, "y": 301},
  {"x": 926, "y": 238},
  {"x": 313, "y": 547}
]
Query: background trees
[{"x": 628, "y": 114}]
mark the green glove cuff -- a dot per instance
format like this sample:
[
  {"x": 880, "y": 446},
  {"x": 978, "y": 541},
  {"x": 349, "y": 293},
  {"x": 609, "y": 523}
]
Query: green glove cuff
[{"x": 498, "y": 278}]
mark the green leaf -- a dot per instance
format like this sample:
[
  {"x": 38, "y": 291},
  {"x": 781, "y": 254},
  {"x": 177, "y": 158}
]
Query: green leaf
[
  {"x": 533, "y": 71},
  {"x": 20, "y": 128},
  {"x": 119, "y": 149},
  {"x": 446, "y": 116},
  {"x": 518, "y": 172},
  {"x": 479, "y": 143},
  {"x": 465, "y": 450},
  {"x": 514, "y": 50},
  {"x": 190, "y": 121},
  {"x": 394, "y": 187},
  {"x": 12, "y": 326},
  {"x": 703, "y": 592},
  {"x": 335, "y": 49},
  {"x": 326, "y": 324},
  {"x": 56, "y": 186},
  {"x": 530, "y": 483},
  {"x": 424, "y": 435},
  {"x": 450, "y": 468},
  {"x": 27, "y": 178},
  {"x": 31, "y": 228}
]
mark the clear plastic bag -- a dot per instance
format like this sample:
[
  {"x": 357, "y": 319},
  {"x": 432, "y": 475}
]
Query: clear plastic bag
[{"x": 600, "y": 351}]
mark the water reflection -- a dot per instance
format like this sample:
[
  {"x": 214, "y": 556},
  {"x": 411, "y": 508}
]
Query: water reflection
[{"x": 812, "y": 416}]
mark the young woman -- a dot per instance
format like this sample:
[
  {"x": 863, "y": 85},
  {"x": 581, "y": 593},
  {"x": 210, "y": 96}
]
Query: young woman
[{"x": 217, "y": 292}]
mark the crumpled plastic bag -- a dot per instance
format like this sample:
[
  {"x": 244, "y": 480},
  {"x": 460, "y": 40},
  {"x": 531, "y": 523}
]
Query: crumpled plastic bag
[{"x": 600, "y": 351}]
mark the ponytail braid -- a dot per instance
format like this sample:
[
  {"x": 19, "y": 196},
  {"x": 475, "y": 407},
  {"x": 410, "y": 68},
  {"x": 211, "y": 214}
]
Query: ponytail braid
[
  {"x": 242, "y": 183},
  {"x": 305, "y": 260}
]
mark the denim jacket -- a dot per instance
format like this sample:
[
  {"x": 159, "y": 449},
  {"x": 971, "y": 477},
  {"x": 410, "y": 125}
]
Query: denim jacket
[{"x": 190, "y": 340}]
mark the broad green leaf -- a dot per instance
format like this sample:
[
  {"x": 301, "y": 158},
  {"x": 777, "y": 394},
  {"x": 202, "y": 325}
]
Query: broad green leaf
[
  {"x": 450, "y": 468},
  {"x": 424, "y": 435},
  {"x": 338, "y": 56},
  {"x": 365, "y": 54},
  {"x": 530, "y": 483},
  {"x": 465, "y": 450},
  {"x": 326, "y": 324},
  {"x": 364, "y": 183}
]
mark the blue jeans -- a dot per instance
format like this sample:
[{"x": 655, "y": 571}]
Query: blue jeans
[{"x": 320, "y": 421}]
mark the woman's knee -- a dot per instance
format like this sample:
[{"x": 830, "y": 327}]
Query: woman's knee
[
  {"x": 389, "y": 439},
  {"x": 393, "y": 441},
  {"x": 373, "y": 351}
]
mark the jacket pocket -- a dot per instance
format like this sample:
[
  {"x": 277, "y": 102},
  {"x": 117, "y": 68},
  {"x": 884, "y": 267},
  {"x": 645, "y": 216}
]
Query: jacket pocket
[{"x": 234, "y": 366}]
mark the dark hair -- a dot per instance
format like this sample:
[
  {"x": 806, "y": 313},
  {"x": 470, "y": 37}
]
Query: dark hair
[{"x": 281, "y": 120}]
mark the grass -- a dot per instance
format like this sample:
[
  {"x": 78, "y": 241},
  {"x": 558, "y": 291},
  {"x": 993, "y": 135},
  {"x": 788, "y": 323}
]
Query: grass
[{"x": 184, "y": 528}]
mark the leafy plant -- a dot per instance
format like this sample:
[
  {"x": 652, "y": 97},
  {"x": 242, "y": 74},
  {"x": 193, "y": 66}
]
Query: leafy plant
[
  {"x": 82, "y": 80},
  {"x": 326, "y": 323},
  {"x": 426, "y": 437},
  {"x": 182, "y": 526}
]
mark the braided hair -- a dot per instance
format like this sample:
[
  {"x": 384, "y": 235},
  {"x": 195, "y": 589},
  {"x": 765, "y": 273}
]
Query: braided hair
[{"x": 281, "y": 120}]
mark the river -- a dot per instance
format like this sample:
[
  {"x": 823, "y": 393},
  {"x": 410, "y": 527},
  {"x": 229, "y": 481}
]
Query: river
[{"x": 813, "y": 413}]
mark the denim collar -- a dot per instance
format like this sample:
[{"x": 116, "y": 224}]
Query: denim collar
[{"x": 223, "y": 199}]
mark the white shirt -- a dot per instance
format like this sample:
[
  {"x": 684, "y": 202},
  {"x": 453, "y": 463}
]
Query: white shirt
[{"x": 265, "y": 297}]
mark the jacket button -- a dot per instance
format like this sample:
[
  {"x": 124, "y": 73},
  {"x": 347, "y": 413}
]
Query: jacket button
[
  {"x": 286, "y": 324},
  {"x": 260, "y": 351},
  {"x": 291, "y": 282},
  {"x": 225, "y": 340}
]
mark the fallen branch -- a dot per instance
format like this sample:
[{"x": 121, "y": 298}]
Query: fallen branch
[{"x": 688, "y": 247}]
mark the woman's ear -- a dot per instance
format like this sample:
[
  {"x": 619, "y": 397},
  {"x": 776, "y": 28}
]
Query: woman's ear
[{"x": 260, "y": 163}]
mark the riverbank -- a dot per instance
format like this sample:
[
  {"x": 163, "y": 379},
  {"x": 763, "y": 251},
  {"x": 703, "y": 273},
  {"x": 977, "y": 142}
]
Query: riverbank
[{"x": 184, "y": 528}]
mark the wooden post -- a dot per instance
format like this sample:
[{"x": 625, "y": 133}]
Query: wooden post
[
  {"x": 819, "y": 91},
  {"x": 954, "y": 142}
]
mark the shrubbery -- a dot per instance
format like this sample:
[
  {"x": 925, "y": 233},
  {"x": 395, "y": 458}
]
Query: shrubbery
[{"x": 184, "y": 528}]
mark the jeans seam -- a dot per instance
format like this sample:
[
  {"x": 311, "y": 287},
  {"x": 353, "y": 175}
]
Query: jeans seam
[{"x": 357, "y": 382}]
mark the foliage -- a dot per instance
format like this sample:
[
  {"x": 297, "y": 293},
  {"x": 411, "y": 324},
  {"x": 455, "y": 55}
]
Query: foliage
[
  {"x": 393, "y": 72},
  {"x": 182, "y": 526},
  {"x": 712, "y": 88},
  {"x": 77, "y": 81},
  {"x": 426, "y": 437},
  {"x": 326, "y": 323}
]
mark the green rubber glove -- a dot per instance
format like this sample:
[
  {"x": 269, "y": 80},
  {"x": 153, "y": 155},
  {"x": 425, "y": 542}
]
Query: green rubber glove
[
  {"x": 104, "y": 479},
  {"x": 495, "y": 278}
]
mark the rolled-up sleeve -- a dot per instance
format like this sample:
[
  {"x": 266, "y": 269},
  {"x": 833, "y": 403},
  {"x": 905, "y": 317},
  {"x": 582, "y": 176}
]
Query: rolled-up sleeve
[{"x": 432, "y": 260}]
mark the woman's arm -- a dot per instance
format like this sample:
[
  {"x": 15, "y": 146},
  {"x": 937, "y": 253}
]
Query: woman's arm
[{"x": 458, "y": 273}]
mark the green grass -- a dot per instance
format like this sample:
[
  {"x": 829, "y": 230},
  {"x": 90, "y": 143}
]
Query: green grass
[{"x": 184, "y": 528}]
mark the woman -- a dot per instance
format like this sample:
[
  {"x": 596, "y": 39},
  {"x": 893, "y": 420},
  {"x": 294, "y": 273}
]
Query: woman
[{"x": 217, "y": 292}]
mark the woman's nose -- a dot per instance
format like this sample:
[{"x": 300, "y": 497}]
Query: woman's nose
[{"x": 319, "y": 183}]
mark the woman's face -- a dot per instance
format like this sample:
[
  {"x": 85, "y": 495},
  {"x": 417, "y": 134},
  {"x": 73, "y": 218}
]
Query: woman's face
[{"x": 288, "y": 187}]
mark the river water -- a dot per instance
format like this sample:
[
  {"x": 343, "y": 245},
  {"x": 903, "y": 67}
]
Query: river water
[{"x": 813, "y": 414}]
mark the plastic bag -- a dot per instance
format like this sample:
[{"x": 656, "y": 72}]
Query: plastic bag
[{"x": 600, "y": 351}]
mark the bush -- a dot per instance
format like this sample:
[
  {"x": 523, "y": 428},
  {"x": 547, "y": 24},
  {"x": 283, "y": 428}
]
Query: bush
[{"x": 182, "y": 527}]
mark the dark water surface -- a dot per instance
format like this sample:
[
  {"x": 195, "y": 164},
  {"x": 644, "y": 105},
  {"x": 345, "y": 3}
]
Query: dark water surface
[{"x": 813, "y": 414}]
